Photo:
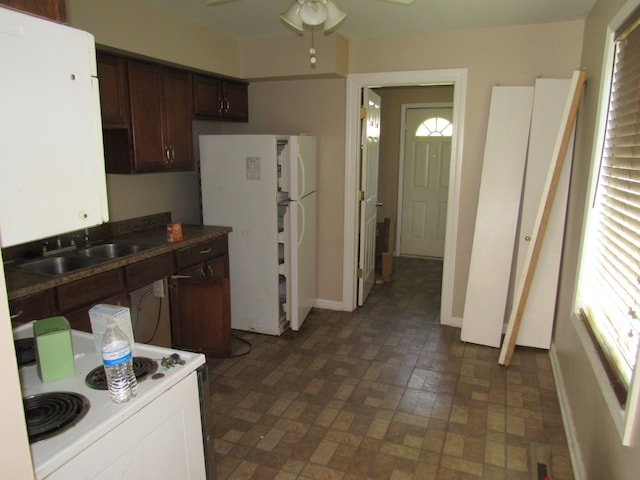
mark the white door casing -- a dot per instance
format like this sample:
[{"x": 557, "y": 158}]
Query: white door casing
[
  {"x": 355, "y": 83},
  {"x": 425, "y": 186},
  {"x": 369, "y": 158}
]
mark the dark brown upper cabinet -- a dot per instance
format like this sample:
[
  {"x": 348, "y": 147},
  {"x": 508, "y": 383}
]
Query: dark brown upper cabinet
[
  {"x": 147, "y": 113},
  {"x": 220, "y": 98},
  {"x": 52, "y": 9},
  {"x": 148, "y": 107}
]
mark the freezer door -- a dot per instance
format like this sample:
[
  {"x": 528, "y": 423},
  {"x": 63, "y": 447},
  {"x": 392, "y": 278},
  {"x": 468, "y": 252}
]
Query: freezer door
[
  {"x": 303, "y": 286},
  {"x": 302, "y": 150}
]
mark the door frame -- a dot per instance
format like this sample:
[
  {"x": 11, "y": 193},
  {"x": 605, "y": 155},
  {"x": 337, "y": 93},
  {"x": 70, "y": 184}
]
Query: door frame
[
  {"x": 355, "y": 83},
  {"x": 403, "y": 139}
]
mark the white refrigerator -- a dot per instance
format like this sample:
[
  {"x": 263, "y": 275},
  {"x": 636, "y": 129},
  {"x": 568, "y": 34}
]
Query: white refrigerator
[{"x": 264, "y": 187}]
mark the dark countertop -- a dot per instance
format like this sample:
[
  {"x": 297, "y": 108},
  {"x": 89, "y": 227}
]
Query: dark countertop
[{"x": 21, "y": 284}]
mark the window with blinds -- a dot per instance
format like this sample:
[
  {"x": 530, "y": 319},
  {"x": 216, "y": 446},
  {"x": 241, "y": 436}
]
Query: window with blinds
[{"x": 610, "y": 280}]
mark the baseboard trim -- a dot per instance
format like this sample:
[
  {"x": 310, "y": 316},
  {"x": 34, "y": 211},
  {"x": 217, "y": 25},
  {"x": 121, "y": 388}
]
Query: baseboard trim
[
  {"x": 565, "y": 409},
  {"x": 329, "y": 305},
  {"x": 452, "y": 322}
]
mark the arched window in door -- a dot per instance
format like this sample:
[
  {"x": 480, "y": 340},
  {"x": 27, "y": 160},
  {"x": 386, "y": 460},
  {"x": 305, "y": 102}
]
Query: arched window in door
[{"x": 435, "y": 127}]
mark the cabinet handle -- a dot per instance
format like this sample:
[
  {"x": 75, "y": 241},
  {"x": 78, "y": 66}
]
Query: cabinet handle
[
  {"x": 221, "y": 105},
  {"x": 210, "y": 270},
  {"x": 226, "y": 104},
  {"x": 16, "y": 315},
  {"x": 205, "y": 251},
  {"x": 202, "y": 272},
  {"x": 167, "y": 154}
]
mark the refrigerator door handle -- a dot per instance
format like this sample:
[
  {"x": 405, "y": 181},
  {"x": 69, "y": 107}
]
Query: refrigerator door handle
[
  {"x": 302, "y": 185},
  {"x": 304, "y": 222}
]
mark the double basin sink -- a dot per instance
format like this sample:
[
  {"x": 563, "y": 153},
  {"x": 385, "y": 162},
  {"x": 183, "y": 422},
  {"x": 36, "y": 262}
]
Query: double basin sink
[{"x": 54, "y": 265}]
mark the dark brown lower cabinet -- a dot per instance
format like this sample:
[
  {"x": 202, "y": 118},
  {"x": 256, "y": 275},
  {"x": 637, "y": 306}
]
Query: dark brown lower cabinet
[{"x": 201, "y": 314}]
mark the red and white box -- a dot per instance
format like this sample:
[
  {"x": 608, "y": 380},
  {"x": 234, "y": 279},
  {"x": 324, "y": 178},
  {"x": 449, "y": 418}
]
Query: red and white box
[{"x": 174, "y": 232}]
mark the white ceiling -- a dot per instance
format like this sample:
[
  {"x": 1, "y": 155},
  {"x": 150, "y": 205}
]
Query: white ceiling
[{"x": 253, "y": 19}]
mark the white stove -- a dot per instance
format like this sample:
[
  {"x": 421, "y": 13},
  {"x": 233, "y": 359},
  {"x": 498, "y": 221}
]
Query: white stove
[{"x": 160, "y": 430}]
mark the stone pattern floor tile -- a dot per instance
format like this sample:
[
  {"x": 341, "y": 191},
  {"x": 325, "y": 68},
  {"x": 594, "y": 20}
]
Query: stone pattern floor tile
[{"x": 384, "y": 392}]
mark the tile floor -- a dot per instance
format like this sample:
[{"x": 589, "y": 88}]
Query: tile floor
[{"x": 384, "y": 392}]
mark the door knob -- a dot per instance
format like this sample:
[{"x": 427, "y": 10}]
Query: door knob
[{"x": 379, "y": 204}]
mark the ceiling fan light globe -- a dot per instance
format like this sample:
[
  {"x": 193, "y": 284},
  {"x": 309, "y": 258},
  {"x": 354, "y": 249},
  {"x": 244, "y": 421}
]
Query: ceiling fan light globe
[
  {"x": 291, "y": 16},
  {"x": 313, "y": 13},
  {"x": 334, "y": 15}
]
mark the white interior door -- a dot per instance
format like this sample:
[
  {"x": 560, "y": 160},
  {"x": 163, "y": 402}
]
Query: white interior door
[
  {"x": 497, "y": 215},
  {"x": 427, "y": 159},
  {"x": 369, "y": 155}
]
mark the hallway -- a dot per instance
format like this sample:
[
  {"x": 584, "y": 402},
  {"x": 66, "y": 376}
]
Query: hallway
[{"x": 384, "y": 392}]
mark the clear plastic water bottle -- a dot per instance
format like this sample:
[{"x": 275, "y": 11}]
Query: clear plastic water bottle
[{"x": 118, "y": 364}]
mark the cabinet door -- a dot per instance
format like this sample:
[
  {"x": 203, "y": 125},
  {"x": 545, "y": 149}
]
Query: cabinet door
[
  {"x": 236, "y": 100},
  {"x": 34, "y": 307},
  {"x": 147, "y": 115},
  {"x": 201, "y": 315},
  {"x": 177, "y": 90},
  {"x": 114, "y": 94},
  {"x": 80, "y": 320},
  {"x": 207, "y": 96},
  {"x": 217, "y": 267}
]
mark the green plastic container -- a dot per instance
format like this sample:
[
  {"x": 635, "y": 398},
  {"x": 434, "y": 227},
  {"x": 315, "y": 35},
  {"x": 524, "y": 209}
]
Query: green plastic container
[{"x": 54, "y": 350}]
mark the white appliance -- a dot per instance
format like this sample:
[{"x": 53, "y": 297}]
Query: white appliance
[
  {"x": 52, "y": 174},
  {"x": 264, "y": 187},
  {"x": 157, "y": 434}
]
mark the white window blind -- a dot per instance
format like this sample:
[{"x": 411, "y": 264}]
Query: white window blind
[{"x": 611, "y": 305}]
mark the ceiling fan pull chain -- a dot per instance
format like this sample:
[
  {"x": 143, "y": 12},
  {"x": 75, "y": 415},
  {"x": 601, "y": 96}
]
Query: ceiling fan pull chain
[{"x": 312, "y": 51}]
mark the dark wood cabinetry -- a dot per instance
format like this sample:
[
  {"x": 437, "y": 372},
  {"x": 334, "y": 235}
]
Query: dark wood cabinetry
[
  {"x": 201, "y": 299},
  {"x": 52, "y": 9},
  {"x": 219, "y": 98},
  {"x": 147, "y": 118},
  {"x": 34, "y": 307},
  {"x": 199, "y": 295},
  {"x": 160, "y": 117},
  {"x": 148, "y": 107},
  {"x": 114, "y": 91}
]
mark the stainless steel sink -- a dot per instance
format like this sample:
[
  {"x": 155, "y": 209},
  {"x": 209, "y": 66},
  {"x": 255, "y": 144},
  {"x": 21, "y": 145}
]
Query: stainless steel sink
[
  {"x": 112, "y": 250},
  {"x": 56, "y": 265}
]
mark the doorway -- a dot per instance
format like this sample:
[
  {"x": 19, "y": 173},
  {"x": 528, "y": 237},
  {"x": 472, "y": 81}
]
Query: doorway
[
  {"x": 355, "y": 84},
  {"x": 423, "y": 180}
]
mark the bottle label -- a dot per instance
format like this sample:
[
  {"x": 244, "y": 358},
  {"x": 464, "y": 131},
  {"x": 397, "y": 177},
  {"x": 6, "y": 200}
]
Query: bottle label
[{"x": 116, "y": 357}]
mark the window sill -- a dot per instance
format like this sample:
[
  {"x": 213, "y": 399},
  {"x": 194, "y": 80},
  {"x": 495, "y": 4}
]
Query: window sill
[{"x": 624, "y": 419}]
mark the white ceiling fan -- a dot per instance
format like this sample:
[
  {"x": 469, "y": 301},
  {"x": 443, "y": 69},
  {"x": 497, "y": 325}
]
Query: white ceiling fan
[{"x": 312, "y": 13}]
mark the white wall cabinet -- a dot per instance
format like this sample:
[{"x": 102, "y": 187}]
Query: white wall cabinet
[{"x": 52, "y": 177}]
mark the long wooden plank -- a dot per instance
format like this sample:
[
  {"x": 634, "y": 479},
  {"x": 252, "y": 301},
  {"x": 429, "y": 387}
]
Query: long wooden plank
[
  {"x": 497, "y": 215},
  {"x": 522, "y": 291}
]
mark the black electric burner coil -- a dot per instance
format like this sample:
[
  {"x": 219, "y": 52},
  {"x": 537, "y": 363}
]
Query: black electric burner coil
[
  {"x": 51, "y": 413},
  {"x": 142, "y": 366}
]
